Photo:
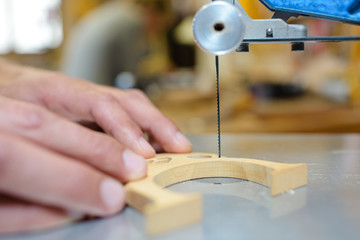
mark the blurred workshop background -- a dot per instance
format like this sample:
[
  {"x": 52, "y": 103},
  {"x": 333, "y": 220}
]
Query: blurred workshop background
[{"x": 148, "y": 44}]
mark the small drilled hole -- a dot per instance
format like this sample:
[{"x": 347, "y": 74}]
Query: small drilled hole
[
  {"x": 163, "y": 160},
  {"x": 219, "y": 27}
]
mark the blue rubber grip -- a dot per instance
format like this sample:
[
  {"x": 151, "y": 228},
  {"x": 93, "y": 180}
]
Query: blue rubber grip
[{"x": 337, "y": 10}]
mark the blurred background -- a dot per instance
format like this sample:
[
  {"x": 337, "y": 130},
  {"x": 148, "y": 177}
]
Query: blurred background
[{"x": 148, "y": 44}]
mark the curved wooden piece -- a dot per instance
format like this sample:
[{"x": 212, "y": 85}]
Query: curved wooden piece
[{"x": 165, "y": 210}]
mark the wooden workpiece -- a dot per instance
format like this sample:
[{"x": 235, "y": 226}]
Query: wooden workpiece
[{"x": 166, "y": 210}]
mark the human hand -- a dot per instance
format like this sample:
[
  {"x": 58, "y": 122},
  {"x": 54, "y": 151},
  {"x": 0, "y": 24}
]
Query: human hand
[
  {"x": 60, "y": 168},
  {"x": 122, "y": 114}
]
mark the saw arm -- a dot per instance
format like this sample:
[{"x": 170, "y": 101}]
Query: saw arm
[
  {"x": 223, "y": 26},
  {"x": 336, "y": 10}
]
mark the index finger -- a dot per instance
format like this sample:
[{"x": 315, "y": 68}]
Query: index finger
[
  {"x": 82, "y": 100},
  {"x": 161, "y": 128}
]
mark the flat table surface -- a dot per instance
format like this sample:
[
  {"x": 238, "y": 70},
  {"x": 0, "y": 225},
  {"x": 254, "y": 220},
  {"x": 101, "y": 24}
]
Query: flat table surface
[{"x": 327, "y": 208}]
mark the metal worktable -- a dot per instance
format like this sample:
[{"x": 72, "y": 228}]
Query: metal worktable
[{"x": 327, "y": 208}]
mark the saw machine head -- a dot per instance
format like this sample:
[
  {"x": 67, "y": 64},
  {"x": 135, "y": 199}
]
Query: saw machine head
[{"x": 223, "y": 26}]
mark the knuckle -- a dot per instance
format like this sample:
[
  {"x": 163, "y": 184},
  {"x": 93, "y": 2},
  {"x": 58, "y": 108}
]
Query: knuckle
[
  {"x": 102, "y": 148},
  {"x": 136, "y": 94},
  {"x": 128, "y": 129},
  {"x": 58, "y": 76},
  {"x": 106, "y": 99},
  {"x": 31, "y": 117},
  {"x": 127, "y": 125}
]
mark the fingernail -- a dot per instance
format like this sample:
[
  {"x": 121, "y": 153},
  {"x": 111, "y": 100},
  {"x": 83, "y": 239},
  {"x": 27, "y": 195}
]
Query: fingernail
[
  {"x": 135, "y": 164},
  {"x": 145, "y": 145},
  {"x": 112, "y": 194},
  {"x": 182, "y": 140}
]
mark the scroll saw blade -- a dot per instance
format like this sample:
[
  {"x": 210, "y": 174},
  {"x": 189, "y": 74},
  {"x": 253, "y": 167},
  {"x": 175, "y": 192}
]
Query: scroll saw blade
[{"x": 218, "y": 103}]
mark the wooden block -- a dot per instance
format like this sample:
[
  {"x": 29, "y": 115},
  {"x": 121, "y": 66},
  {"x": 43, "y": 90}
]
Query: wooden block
[{"x": 166, "y": 210}]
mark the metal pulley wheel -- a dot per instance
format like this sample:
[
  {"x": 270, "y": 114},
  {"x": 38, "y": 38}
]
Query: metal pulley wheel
[{"x": 218, "y": 28}]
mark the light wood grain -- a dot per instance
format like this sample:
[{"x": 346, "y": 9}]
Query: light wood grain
[{"x": 165, "y": 210}]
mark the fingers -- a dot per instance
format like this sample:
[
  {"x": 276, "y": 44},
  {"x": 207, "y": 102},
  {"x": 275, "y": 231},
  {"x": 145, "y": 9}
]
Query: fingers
[
  {"x": 81, "y": 100},
  {"x": 122, "y": 114},
  {"x": 20, "y": 217},
  {"x": 33, "y": 173},
  {"x": 51, "y": 131},
  {"x": 160, "y": 128},
  {"x": 108, "y": 113}
]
